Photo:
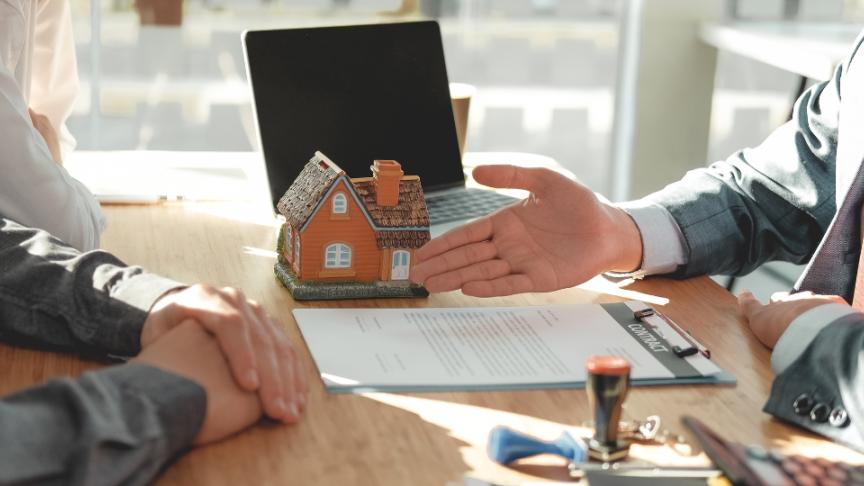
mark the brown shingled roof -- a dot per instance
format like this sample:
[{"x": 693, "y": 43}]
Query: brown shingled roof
[
  {"x": 410, "y": 212},
  {"x": 302, "y": 197},
  {"x": 401, "y": 239}
]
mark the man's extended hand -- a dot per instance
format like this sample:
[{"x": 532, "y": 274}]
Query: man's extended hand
[
  {"x": 560, "y": 236},
  {"x": 43, "y": 125},
  {"x": 769, "y": 322},
  {"x": 259, "y": 353}
]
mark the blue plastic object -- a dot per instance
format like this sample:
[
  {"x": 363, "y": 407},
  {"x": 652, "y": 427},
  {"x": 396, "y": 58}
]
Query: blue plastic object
[{"x": 506, "y": 445}]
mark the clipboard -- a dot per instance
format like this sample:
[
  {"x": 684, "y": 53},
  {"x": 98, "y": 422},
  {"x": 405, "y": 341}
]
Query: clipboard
[{"x": 498, "y": 348}]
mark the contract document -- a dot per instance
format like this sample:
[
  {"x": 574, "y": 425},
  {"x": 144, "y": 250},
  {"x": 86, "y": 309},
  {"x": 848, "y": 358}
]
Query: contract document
[{"x": 494, "y": 348}]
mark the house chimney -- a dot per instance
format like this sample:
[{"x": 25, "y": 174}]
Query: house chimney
[{"x": 387, "y": 175}]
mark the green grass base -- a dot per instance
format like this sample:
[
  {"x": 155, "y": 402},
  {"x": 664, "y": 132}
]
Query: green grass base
[{"x": 345, "y": 290}]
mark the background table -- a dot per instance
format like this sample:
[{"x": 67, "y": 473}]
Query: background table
[
  {"x": 811, "y": 50},
  {"x": 418, "y": 439}
]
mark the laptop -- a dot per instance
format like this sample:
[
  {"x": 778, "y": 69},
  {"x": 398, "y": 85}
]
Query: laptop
[{"x": 359, "y": 93}]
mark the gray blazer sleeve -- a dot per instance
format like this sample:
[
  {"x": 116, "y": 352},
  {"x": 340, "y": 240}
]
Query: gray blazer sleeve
[
  {"x": 822, "y": 389},
  {"x": 53, "y": 296},
  {"x": 772, "y": 202},
  {"x": 121, "y": 425}
]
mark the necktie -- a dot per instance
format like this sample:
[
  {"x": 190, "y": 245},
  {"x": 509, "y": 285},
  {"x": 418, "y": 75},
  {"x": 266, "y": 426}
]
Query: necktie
[
  {"x": 833, "y": 270},
  {"x": 858, "y": 294}
]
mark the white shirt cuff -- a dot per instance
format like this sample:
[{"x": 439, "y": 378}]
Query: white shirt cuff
[
  {"x": 662, "y": 241},
  {"x": 802, "y": 331}
]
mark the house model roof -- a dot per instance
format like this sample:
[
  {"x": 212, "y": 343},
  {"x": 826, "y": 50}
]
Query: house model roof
[
  {"x": 405, "y": 225},
  {"x": 301, "y": 199}
]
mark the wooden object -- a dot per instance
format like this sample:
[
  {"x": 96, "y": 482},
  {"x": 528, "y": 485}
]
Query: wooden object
[
  {"x": 349, "y": 238},
  {"x": 419, "y": 439},
  {"x": 160, "y": 12}
]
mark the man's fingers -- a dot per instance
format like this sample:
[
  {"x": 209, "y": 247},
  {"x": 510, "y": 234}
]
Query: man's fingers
[
  {"x": 511, "y": 177},
  {"x": 509, "y": 285},
  {"x": 457, "y": 258},
  {"x": 748, "y": 304},
  {"x": 473, "y": 232},
  {"x": 483, "y": 271}
]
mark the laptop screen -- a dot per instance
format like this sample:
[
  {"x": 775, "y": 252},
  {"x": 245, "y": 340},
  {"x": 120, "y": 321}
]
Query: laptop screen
[{"x": 356, "y": 93}]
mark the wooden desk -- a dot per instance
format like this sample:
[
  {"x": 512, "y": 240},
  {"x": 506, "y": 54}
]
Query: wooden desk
[{"x": 416, "y": 439}]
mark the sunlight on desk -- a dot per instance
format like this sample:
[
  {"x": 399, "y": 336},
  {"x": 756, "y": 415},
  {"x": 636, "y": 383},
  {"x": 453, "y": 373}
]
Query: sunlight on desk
[
  {"x": 602, "y": 285},
  {"x": 260, "y": 252},
  {"x": 250, "y": 213}
]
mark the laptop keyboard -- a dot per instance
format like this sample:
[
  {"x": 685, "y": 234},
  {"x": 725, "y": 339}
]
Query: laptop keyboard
[{"x": 466, "y": 204}]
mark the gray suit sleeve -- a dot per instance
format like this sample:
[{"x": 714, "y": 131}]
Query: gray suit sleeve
[
  {"x": 120, "y": 425},
  {"x": 821, "y": 390},
  {"x": 53, "y": 296},
  {"x": 772, "y": 202}
]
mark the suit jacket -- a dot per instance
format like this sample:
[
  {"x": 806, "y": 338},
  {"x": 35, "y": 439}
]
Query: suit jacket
[{"x": 790, "y": 199}]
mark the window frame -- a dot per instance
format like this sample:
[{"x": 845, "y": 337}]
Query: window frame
[
  {"x": 339, "y": 196},
  {"x": 343, "y": 255}
]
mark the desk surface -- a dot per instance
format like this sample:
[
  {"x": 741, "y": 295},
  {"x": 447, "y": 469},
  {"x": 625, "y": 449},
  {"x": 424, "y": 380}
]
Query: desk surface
[
  {"x": 392, "y": 439},
  {"x": 809, "y": 49}
]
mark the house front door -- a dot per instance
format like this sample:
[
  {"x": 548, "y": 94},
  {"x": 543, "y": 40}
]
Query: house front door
[{"x": 401, "y": 264}]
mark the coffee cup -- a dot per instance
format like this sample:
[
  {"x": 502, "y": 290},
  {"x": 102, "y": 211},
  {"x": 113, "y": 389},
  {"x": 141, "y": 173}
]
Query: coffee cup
[{"x": 460, "y": 97}]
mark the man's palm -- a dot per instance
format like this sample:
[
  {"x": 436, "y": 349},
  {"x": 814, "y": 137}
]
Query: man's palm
[{"x": 560, "y": 236}]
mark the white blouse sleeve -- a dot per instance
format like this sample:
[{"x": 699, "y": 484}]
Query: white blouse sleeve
[
  {"x": 54, "y": 83},
  {"x": 34, "y": 190}
]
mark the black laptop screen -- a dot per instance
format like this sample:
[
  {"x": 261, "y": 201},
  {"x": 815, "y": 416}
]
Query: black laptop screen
[{"x": 356, "y": 93}]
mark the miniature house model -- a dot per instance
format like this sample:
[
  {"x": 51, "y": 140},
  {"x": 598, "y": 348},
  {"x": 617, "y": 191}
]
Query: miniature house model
[{"x": 351, "y": 238}]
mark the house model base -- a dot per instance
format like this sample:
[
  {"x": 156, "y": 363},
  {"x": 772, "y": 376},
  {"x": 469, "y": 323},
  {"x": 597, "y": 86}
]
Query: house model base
[
  {"x": 345, "y": 290},
  {"x": 351, "y": 238}
]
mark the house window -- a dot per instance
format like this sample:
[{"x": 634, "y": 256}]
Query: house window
[
  {"x": 337, "y": 255},
  {"x": 340, "y": 204}
]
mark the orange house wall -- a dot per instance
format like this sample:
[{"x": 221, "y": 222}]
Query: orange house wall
[
  {"x": 353, "y": 229},
  {"x": 386, "y": 262}
]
